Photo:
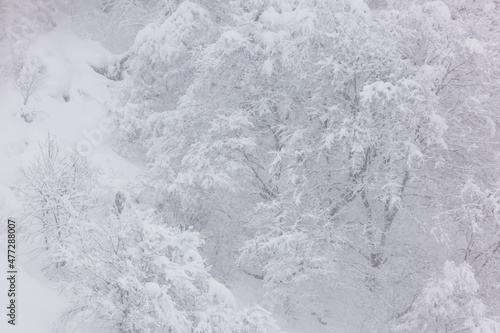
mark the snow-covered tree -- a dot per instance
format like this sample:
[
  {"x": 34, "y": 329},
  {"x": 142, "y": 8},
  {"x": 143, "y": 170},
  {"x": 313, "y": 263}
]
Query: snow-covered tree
[
  {"x": 131, "y": 273},
  {"x": 57, "y": 193},
  {"x": 122, "y": 266},
  {"x": 323, "y": 140},
  {"x": 449, "y": 303}
]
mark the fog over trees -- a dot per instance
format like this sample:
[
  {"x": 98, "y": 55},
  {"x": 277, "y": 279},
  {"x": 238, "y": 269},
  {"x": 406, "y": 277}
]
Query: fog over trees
[{"x": 212, "y": 166}]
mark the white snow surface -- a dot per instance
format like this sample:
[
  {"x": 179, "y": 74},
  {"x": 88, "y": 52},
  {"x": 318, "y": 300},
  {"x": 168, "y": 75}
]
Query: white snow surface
[
  {"x": 68, "y": 63},
  {"x": 38, "y": 303}
]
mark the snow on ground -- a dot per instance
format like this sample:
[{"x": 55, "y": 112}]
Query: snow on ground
[
  {"x": 38, "y": 303},
  {"x": 69, "y": 105}
]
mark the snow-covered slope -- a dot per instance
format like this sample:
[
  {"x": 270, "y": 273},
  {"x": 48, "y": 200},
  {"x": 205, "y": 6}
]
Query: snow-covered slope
[{"x": 69, "y": 104}]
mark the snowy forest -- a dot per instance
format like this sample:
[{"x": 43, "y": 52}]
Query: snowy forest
[{"x": 251, "y": 166}]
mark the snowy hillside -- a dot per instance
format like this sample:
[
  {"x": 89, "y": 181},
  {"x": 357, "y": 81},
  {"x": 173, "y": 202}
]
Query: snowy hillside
[{"x": 250, "y": 166}]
